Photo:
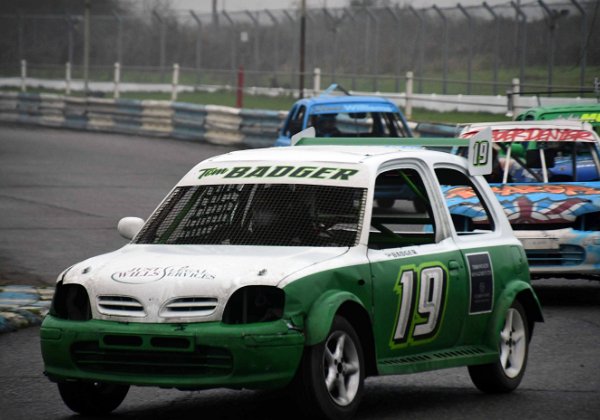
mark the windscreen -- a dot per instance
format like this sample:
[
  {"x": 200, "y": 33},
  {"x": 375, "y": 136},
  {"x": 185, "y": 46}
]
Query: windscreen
[
  {"x": 257, "y": 214},
  {"x": 540, "y": 155},
  {"x": 357, "y": 124}
]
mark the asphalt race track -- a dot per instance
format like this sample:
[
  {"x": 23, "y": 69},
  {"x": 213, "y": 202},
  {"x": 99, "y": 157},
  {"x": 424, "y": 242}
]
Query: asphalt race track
[{"x": 61, "y": 196}]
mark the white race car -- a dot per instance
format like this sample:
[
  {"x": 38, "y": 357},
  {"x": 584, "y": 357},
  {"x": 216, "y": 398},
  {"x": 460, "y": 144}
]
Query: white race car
[{"x": 279, "y": 268}]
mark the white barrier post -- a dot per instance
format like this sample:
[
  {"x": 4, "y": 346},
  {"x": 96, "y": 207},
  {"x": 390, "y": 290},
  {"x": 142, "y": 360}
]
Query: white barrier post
[
  {"x": 316, "y": 81},
  {"x": 175, "y": 82},
  {"x": 512, "y": 98},
  {"x": 23, "y": 76},
  {"x": 409, "y": 94},
  {"x": 117, "y": 80},
  {"x": 68, "y": 78},
  {"x": 516, "y": 85}
]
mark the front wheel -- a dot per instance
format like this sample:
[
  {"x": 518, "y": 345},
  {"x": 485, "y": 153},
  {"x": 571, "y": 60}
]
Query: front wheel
[
  {"x": 329, "y": 383},
  {"x": 92, "y": 398},
  {"x": 505, "y": 375}
]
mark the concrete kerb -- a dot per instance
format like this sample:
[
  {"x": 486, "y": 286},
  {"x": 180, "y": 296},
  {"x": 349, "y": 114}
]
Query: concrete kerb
[{"x": 23, "y": 306}]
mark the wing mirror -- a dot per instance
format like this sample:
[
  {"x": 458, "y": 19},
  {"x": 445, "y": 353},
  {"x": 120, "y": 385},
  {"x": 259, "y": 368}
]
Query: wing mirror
[{"x": 128, "y": 227}]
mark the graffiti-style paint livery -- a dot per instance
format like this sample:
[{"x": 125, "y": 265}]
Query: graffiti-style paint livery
[
  {"x": 550, "y": 193},
  {"x": 291, "y": 267}
]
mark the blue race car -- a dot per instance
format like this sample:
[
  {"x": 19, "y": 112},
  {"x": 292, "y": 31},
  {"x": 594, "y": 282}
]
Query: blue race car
[{"x": 344, "y": 116}]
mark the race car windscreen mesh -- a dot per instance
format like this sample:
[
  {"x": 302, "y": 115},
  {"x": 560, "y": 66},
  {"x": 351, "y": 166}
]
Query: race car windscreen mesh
[{"x": 258, "y": 214}]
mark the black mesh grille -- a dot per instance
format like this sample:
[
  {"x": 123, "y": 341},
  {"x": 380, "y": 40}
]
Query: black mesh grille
[
  {"x": 257, "y": 214},
  {"x": 89, "y": 356}
]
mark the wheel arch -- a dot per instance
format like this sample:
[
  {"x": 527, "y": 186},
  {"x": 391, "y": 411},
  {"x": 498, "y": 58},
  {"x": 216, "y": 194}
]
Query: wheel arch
[
  {"x": 532, "y": 307},
  {"x": 516, "y": 290},
  {"x": 345, "y": 304},
  {"x": 360, "y": 320}
]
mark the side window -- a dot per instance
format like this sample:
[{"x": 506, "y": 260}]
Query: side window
[
  {"x": 467, "y": 209},
  {"x": 402, "y": 213},
  {"x": 295, "y": 125}
]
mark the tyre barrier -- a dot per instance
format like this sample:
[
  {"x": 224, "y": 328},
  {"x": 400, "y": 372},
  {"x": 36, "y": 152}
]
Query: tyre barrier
[
  {"x": 244, "y": 128},
  {"x": 210, "y": 123},
  {"x": 23, "y": 306}
]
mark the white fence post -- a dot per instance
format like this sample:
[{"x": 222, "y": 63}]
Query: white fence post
[
  {"x": 316, "y": 81},
  {"x": 23, "y": 76},
  {"x": 175, "y": 82},
  {"x": 117, "y": 80},
  {"x": 409, "y": 94},
  {"x": 68, "y": 78}
]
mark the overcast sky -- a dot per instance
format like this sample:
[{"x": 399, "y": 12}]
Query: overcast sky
[{"x": 204, "y": 6}]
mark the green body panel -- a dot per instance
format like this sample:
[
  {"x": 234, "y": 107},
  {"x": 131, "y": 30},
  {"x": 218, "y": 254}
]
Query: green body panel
[
  {"x": 262, "y": 355},
  {"x": 320, "y": 317},
  {"x": 317, "y": 297},
  {"x": 388, "y": 305},
  {"x": 476, "y": 335}
]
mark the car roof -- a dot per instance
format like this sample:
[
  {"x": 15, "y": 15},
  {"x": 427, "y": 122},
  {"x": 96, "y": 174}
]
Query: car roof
[
  {"x": 367, "y": 159},
  {"x": 364, "y": 155},
  {"x": 586, "y": 112},
  {"x": 338, "y": 99},
  {"x": 567, "y": 108},
  {"x": 534, "y": 127}
]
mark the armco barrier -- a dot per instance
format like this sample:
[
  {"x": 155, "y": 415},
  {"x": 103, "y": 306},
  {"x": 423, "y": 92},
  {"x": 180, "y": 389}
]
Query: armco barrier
[{"x": 222, "y": 125}]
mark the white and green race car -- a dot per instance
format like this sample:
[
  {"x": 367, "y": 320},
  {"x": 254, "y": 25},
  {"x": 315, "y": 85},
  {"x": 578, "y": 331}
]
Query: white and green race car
[{"x": 310, "y": 267}]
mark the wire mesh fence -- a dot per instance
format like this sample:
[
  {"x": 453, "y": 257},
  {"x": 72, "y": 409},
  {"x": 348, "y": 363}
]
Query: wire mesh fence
[{"x": 469, "y": 50}]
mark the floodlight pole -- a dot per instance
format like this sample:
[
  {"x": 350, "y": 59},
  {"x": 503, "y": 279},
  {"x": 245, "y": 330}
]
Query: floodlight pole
[
  {"x": 294, "y": 44},
  {"x": 86, "y": 46},
  {"x": 302, "y": 45}
]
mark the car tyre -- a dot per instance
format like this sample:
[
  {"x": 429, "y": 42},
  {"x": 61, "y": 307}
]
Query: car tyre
[
  {"x": 505, "y": 374},
  {"x": 329, "y": 383},
  {"x": 92, "y": 398}
]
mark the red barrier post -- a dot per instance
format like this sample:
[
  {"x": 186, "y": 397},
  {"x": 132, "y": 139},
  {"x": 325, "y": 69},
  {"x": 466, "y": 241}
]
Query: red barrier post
[{"x": 239, "y": 102}]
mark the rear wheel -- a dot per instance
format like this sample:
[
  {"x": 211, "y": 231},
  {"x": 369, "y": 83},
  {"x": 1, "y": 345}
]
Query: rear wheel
[
  {"x": 329, "y": 383},
  {"x": 92, "y": 398},
  {"x": 505, "y": 375}
]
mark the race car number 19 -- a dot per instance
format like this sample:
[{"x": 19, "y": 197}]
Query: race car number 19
[{"x": 422, "y": 293}]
